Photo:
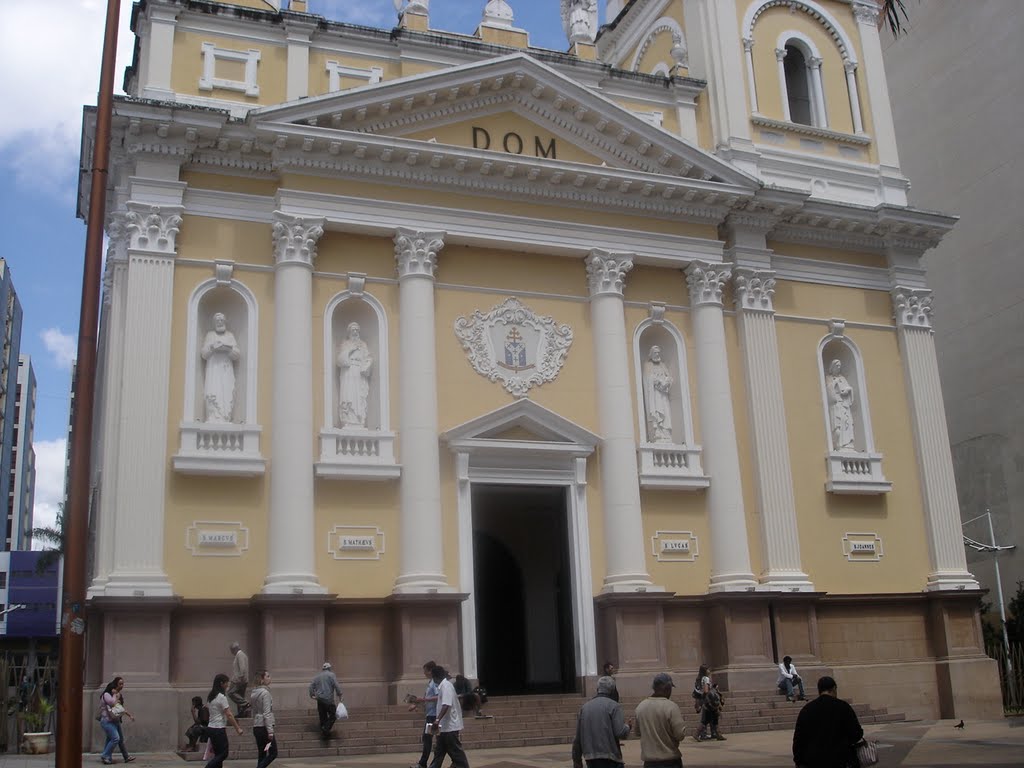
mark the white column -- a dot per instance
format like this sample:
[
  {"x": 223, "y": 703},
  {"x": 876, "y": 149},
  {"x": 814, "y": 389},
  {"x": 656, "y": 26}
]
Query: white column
[
  {"x": 780, "y": 57},
  {"x": 620, "y": 482},
  {"x": 759, "y": 345},
  {"x": 298, "y": 35},
  {"x": 814, "y": 70},
  {"x": 883, "y": 131},
  {"x": 730, "y": 553},
  {"x": 155, "y": 77},
  {"x": 292, "y": 518},
  {"x": 142, "y": 432},
  {"x": 851, "y": 86},
  {"x": 748, "y": 55},
  {"x": 105, "y": 441},
  {"x": 422, "y": 557},
  {"x": 913, "y": 308}
]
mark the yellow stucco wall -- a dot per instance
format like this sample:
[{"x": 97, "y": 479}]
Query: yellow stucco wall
[{"x": 188, "y": 68}]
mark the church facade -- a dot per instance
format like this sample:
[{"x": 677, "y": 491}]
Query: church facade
[{"x": 422, "y": 345}]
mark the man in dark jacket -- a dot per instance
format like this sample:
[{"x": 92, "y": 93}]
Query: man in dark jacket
[
  {"x": 826, "y": 731},
  {"x": 599, "y": 728}
]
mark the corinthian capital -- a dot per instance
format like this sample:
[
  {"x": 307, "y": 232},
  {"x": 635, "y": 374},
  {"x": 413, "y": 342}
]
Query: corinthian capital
[
  {"x": 416, "y": 252},
  {"x": 912, "y": 307},
  {"x": 754, "y": 289},
  {"x": 295, "y": 239},
  {"x": 153, "y": 227},
  {"x": 706, "y": 282},
  {"x": 866, "y": 11},
  {"x": 117, "y": 237},
  {"x": 606, "y": 272}
]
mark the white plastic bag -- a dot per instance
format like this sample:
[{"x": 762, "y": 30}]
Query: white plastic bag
[{"x": 342, "y": 712}]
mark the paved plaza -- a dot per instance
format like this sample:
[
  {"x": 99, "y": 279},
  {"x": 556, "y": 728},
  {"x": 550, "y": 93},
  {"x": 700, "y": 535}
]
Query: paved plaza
[{"x": 927, "y": 744}]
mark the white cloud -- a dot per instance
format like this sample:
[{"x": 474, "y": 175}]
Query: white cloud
[
  {"x": 41, "y": 130},
  {"x": 63, "y": 347},
  {"x": 49, "y": 492}
]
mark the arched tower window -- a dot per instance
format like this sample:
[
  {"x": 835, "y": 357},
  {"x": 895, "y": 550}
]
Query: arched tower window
[{"x": 798, "y": 85}]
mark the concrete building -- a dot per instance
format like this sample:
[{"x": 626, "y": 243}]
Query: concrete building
[
  {"x": 429, "y": 345},
  {"x": 965, "y": 161},
  {"x": 23, "y": 460},
  {"x": 9, "y": 376}
]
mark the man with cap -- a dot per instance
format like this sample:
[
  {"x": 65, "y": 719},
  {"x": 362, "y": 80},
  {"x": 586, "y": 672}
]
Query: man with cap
[
  {"x": 659, "y": 724},
  {"x": 599, "y": 728},
  {"x": 324, "y": 688},
  {"x": 826, "y": 730}
]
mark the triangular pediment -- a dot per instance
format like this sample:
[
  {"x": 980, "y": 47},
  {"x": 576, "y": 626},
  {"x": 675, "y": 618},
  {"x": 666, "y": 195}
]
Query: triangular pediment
[
  {"x": 521, "y": 421},
  {"x": 521, "y": 106}
]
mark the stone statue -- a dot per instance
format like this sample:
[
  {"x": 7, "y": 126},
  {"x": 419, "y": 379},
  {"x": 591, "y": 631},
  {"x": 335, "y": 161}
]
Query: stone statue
[
  {"x": 354, "y": 364},
  {"x": 658, "y": 397},
  {"x": 840, "y": 407},
  {"x": 579, "y": 19},
  {"x": 220, "y": 351}
]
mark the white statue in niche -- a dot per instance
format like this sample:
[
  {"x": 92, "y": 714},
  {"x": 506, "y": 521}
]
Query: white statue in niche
[
  {"x": 840, "y": 407},
  {"x": 658, "y": 383},
  {"x": 354, "y": 364},
  {"x": 220, "y": 351}
]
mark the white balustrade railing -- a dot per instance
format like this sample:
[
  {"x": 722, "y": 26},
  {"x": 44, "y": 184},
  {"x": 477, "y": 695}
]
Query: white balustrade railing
[
  {"x": 668, "y": 465},
  {"x": 856, "y": 473},
  {"x": 357, "y": 453},
  {"x": 219, "y": 449}
]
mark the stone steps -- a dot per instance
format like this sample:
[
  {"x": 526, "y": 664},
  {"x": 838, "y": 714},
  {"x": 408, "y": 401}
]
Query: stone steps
[{"x": 516, "y": 722}]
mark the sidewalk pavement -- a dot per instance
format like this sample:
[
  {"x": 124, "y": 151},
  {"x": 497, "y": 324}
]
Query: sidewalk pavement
[{"x": 922, "y": 744}]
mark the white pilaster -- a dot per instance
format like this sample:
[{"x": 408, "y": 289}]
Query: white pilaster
[
  {"x": 730, "y": 553},
  {"x": 913, "y": 309},
  {"x": 851, "y": 86},
  {"x": 422, "y": 557},
  {"x": 748, "y": 55},
  {"x": 298, "y": 35},
  {"x": 138, "y": 554},
  {"x": 814, "y": 70},
  {"x": 109, "y": 398},
  {"x": 782, "y": 570},
  {"x": 158, "y": 56},
  {"x": 292, "y": 522},
  {"x": 780, "y": 57},
  {"x": 883, "y": 131},
  {"x": 715, "y": 56},
  {"x": 620, "y": 481}
]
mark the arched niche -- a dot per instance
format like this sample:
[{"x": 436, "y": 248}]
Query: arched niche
[
  {"x": 665, "y": 461},
  {"x": 856, "y": 467},
  {"x": 353, "y": 451},
  {"x": 367, "y": 312},
  {"x": 236, "y": 302},
  {"x": 230, "y": 447},
  {"x": 669, "y": 29}
]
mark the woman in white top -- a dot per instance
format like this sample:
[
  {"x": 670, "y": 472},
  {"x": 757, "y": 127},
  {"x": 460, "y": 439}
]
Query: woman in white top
[
  {"x": 220, "y": 716},
  {"x": 789, "y": 679}
]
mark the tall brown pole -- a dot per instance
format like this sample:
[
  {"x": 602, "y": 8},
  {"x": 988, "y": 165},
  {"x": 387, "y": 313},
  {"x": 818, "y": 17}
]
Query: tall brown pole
[{"x": 76, "y": 517}]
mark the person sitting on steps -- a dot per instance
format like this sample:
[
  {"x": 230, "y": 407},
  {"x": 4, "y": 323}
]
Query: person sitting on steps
[
  {"x": 470, "y": 697},
  {"x": 789, "y": 681}
]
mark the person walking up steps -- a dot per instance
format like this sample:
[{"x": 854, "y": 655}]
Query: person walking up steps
[
  {"x": 448, "y": 725},
  {"x": 262, "y": 704},
  {"x": 239, "y": 680},
  {"x": 324, "y": 688}
]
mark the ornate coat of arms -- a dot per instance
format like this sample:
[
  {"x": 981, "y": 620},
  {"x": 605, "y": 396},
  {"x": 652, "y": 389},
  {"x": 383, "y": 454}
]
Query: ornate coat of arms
[{"x": 514, "y": 345}]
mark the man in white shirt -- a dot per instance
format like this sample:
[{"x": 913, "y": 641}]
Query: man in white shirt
[
  {"x": 789, "y": 679},
  {"x": 448, "y": 725}
]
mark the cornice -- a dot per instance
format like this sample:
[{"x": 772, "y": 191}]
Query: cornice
[{"x": 810, "y": 130}]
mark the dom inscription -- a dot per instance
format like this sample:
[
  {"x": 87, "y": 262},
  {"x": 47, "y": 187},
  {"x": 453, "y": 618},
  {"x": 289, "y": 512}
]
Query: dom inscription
[{"x": 513, "y": 143}]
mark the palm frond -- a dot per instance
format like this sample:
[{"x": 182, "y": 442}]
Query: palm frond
[{"x": 892, "y": 10}]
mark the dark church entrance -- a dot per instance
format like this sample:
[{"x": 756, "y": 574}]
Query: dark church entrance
[{"x": 522, "y": 589}]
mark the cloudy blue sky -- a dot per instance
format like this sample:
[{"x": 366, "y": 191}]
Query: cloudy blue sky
[{"x": 43, "y": 94}]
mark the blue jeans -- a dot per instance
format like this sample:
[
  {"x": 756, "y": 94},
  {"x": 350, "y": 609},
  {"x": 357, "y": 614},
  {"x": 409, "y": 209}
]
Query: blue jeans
[
  {"x": 110, "y": 729},
  {"x": 787, "y": 686}
]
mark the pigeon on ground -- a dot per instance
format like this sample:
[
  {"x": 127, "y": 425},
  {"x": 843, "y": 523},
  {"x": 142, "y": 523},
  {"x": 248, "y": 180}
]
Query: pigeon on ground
[{"x": 959, "y": 725}]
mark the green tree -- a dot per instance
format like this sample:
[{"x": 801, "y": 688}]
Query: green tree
[
  {"x": 53, "y": 537},
  {"x": 1015, "y": 618}
]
